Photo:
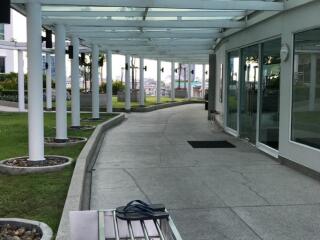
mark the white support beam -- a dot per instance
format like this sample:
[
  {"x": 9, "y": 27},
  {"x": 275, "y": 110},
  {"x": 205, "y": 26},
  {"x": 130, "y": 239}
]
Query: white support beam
[
  {"x": 138, "y": 49},
  {"x": 21, "y": 82},
  {"x": 104, "y": 14},
  {"x": 61, "y": 95},
  {"x": 158, "y": 94},
  {"x": 48, "y": 82},
  {"x": 109, "y": 82},
  {"x": 135, "y": 29},
  {"x": 95, "y": 83},
  {"x": 173, "y": 81},
  {"x": 35, "y": 86},
  {"x": 172, "y": 53},
  {"x": 154, "y": 42},
  {"x": 199, "y": 4},
  {"x": 141, "y": 92},
  {"x": 127, "y": 85},
  {"x": 75, "y": 84},
  {"x": 203, "y": 88},
  {"x": 189, "y": 82},
  {"x": 186, "y": 59},
  {"x": 186, "y": 34},
  {"x": 148, "y": 24}
]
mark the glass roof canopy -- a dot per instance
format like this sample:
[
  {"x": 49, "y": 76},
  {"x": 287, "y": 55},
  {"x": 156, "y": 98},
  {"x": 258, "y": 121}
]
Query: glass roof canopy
[{"x": 172, "y": 30}]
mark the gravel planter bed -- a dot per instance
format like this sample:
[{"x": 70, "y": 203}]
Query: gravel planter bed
[
  {"x": 83, "y": 127},
  {"x": 52, "y": 142},
  {"x": 22, "y": 229},
  {"x": 49, "y": 161},
  {"x": 93, "y": 119},
  {"x": 21, "y": 165}
]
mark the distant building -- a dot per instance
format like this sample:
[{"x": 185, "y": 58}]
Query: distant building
[{"x": 6, "y": 56}]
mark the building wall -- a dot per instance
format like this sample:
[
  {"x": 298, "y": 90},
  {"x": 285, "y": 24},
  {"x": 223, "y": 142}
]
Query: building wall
[
  {"x": 283, "y": 25},
  {"x": 9, "y": 55}
]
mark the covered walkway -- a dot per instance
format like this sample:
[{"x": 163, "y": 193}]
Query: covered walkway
[{"x": 236, "y": 193}]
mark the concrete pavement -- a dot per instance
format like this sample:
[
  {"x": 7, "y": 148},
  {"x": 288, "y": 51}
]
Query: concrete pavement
[
  {"x": 220, "y": 194},
  {"x": 8, "y": 109}
]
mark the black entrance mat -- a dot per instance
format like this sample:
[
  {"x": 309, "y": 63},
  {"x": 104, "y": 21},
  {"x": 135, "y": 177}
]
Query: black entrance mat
[{"x": 211, "y": 144}]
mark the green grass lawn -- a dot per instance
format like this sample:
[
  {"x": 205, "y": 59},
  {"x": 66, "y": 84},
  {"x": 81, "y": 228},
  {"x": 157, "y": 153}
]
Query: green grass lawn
[
  {"x": 150, "y": 100},
  {"x": 35, "y": 196}
]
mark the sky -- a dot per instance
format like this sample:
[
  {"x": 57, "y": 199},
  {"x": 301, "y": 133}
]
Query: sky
[{"x": 118, "y": 61}]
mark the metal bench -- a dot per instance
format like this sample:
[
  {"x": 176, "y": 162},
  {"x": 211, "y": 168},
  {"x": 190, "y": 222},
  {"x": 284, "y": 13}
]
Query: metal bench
[{"x": 104, "y": 225}]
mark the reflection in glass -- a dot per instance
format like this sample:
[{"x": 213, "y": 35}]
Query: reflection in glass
[
  {"x": 269, "y": 92},
  {"x": 248, "y": 92},
  {"x": 306, "y": 89},
  {"x": 232, "y": 89}
]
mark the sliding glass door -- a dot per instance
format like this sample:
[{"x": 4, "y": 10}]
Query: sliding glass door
[
  {"x": 232, "y": 90},
  {"x": 249, "y": 92},
  {"x": 269, "y": 94}
]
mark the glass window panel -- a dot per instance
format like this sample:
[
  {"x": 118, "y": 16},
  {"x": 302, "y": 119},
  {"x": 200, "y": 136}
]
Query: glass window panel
[
  {"x": 269, "y": 94},
  {"x": 232, "y": 89},
  {"x": 1, "y": 31},
  {"x": 2, "y": 64},
  {"x": 249, "y": 92},
  {"x": 306, "y": 89}
]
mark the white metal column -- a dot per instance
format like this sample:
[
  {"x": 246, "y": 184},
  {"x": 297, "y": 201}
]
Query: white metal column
[
  {"x": 109, "y": 81},
  {"x": 203, "y": 80},
  {"x": 35, "y": 96},
  {"x": 141, "y": 92},
  {"x": 172, "y": 81},
  {"x": 61, "y": 95},
  {"x": 189, "y": 82},
  {"x": 21, "y": 81},
  {"x": 95, "y": 82},
  {"x": 75, "y": 84},
  {"x": 127, "y": 86},
  {"x": 158, "y": 81},
  {"x": 48, "y": 82}
]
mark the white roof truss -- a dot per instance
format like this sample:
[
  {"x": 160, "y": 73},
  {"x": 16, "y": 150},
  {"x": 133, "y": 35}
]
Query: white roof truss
[{"x": 176, "y": 30}]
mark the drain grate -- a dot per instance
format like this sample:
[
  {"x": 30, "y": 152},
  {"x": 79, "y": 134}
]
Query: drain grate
[{"x": 211, "y": 144}]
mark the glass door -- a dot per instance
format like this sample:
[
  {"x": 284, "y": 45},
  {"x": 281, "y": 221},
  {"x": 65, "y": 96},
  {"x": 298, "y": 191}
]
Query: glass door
[
  {"x": 249, "y": 92},
  {"x": 269, "y": 94},
  {"x": 232, "y": 90}
]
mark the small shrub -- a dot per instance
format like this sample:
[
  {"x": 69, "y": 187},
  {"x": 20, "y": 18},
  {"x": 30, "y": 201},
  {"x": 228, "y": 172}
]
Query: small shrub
[{"x": 116, "y": 87}]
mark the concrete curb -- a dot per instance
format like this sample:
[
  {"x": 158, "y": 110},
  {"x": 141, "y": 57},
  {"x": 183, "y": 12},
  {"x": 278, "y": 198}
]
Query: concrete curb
[
  {"x": 79, "y": 191},
  {"x": 162, "y": 106},
  {"x": 45, "y": 229},
  {"x": 11, "y": 170}
]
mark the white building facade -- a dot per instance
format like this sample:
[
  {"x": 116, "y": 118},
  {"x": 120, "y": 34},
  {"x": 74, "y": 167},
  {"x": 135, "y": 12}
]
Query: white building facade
[
  {"x": 269, "y": 77},
  {"x": 6, "y": 56}
]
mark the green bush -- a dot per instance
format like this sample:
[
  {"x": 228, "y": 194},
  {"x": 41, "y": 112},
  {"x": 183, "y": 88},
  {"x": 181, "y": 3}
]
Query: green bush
[
  {"x": 102, "y": 88},
  {"x": 9, "y": 81},
  {"x": 232, "y": 104},
  {"x": 11, "y": 95},
  {"x": 116, "y": 87}
]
